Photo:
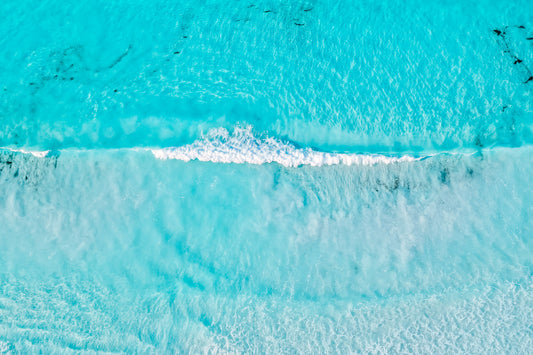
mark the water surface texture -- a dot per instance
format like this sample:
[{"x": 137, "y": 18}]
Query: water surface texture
[{"x": 266, "y": 176}]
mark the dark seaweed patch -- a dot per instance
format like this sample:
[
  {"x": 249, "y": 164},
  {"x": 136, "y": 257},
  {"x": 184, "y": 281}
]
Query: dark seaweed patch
[
  {"x": 119, "y": 59},
  {"x": 396, "y": 183},
  {"x": 444, "y": 176},
  {"x": 478, "y": 142},
  {"x": 504, "y": 43},
  {"x": 25, "y": 168},
  {"x": 65, "y": 65},
  {"x": 68, "y": 59},
  {"x": 392, "y": 185}
]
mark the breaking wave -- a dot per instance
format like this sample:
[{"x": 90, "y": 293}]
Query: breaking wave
[{"x": 242, "y": 146}]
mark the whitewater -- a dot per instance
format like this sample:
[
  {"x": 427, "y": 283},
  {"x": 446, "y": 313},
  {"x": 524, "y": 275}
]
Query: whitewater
[{"x": 292, "y": 177}]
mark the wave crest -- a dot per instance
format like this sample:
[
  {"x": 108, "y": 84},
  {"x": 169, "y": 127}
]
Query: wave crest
[
  {"x": 35, "y": 153},
  {"x": 241, "y": 146}
]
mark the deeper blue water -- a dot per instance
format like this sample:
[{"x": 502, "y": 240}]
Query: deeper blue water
[{"x": 266, "y": 176}]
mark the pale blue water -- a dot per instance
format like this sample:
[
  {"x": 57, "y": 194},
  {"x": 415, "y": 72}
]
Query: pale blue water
[{"x": 288, "y": 177}]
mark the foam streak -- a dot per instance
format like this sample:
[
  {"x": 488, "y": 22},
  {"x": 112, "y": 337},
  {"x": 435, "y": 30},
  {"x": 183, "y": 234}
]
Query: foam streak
[{"x": 219, "y": 146}]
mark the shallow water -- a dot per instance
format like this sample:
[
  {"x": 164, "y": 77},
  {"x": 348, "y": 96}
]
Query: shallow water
[{"x": 312, "y": 177}]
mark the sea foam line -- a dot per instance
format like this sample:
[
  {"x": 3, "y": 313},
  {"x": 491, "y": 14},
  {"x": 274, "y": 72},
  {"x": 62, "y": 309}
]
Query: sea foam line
[
  {"x": 35, "y": 153},
  {"x": 241, "y": 146}
]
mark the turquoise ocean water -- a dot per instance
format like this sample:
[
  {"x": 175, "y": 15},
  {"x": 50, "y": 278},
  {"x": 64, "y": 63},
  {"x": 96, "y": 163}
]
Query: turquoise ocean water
[{"x": 266, "y": 176}]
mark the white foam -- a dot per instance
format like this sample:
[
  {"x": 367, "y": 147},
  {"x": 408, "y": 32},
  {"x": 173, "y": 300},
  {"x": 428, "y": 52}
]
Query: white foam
[
  {"x": 241, "y": 146},
  {"x": 35, "y": 153}
]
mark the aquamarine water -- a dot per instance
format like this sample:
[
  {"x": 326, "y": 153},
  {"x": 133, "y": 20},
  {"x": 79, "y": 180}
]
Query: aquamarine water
[{"x": 266, "y": 177}]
